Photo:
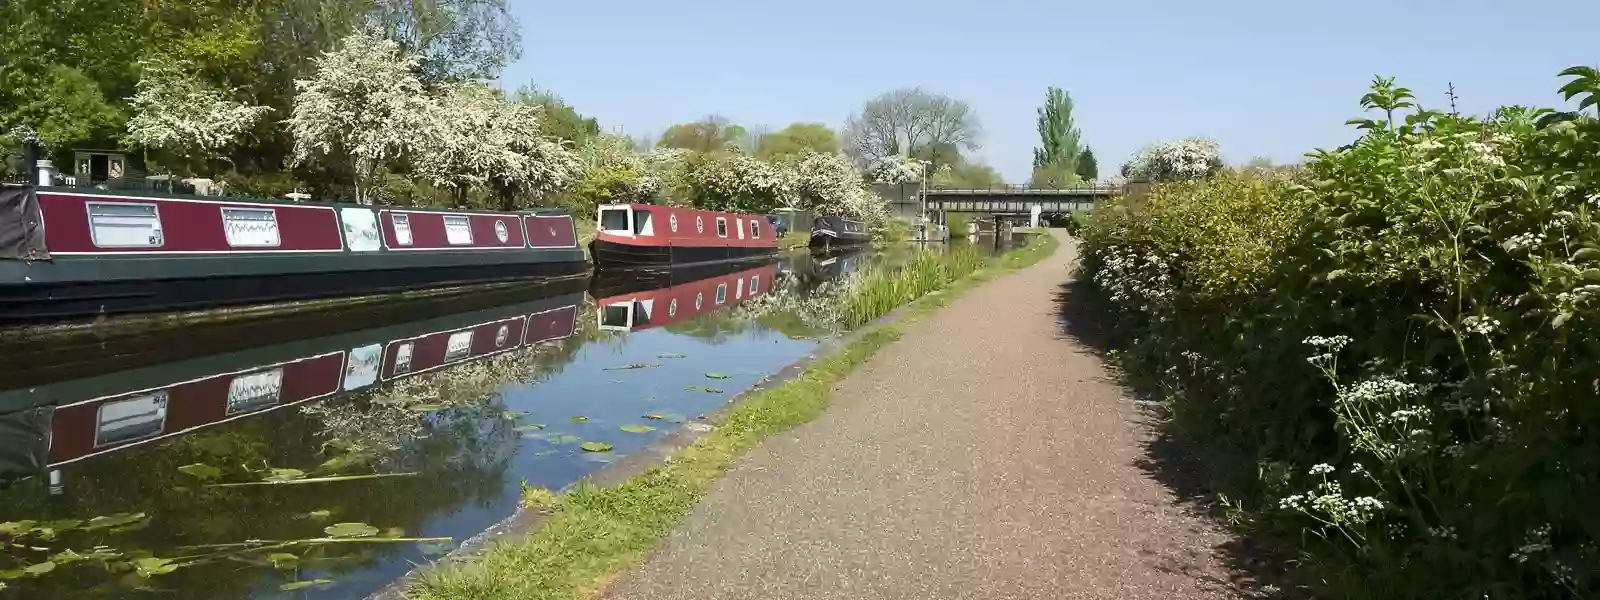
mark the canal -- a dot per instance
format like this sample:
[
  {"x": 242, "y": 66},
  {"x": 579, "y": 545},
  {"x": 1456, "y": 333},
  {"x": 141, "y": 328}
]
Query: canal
[{"x": 323, "y": 457}]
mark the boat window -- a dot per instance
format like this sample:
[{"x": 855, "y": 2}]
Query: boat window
[
  {"x": 614, "y": 219},
  {"x": 125, "y": 225},
  {"x": 402, "y": 229},
  {"x": 132, "y": 419},
  {"x": 253, "y": 392},
  {"x": 755, "y": 229},
  {"x": 755, "y": 284},
  {"x": 458, "y": 346},
  {"x": 458, "y": 230},
  {"x": 402, "y": 358},
  {"x": 250, "y": 227},
  {"x": 722, "y": 227},
  {"x": 616, "y": 315},
  {"x": 641, "y": 222},
  {"x": 722, "y": 293}
]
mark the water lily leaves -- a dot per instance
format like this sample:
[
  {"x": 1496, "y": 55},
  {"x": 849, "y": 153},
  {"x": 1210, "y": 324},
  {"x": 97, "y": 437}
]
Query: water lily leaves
[
  {"x": 670, "y": 355},
  {"x": 632, "y": 366},
  {"x": 200, "y": 471},
  {"x": 637, "y": 428},
  {"x": 119, "y": 521},
  {"x": 564, "y": 438},
  {"x": 300, "y": 585},
  {"x": 394, "y": 532},
  {"x": 529, "y": 427},
  {"x": 284, "y": 560},
  {"x": 152, "y": 566},
  {"x": 666, "y": 416},
  {"x": 718, "y": 375},
  {"x": 63, "y": 524},
  {"x": 701, "y": 388},
  {"x": 16, "y": 527},
  {"x": 512, "y": 415},
  {"x": 38, "y": 569},
  {"x": 351, "y": 530},
  {"x": 595, "y": 447},
  {"x": 316, "y": 515},
  {"x": 11, "y": 573},
  {"x": 579, "y": 419},
  {"x": 435, "y": 548},
  {"x": 284, "y": 475},
  {"x": 425, "y": 408}
]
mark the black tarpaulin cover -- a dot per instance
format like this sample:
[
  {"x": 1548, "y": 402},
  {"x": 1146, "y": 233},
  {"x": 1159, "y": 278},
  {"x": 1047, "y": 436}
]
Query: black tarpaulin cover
[
  {"x": 21, "y": 228},
  {"x": 24, "y": 442}
]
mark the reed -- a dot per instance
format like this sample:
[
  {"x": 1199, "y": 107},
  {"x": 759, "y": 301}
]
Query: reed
[{"x": 878, "y": 290}]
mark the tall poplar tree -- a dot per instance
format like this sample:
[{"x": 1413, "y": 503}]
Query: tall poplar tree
[{"x": 1055, "y": 160}]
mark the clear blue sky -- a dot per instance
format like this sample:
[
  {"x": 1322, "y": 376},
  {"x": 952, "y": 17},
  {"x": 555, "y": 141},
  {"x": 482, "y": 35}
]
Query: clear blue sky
[{"x": 1271, "y": 79}]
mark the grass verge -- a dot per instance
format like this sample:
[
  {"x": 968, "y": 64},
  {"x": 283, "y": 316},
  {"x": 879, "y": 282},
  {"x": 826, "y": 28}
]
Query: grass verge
[{"x": 591, "y": 534}]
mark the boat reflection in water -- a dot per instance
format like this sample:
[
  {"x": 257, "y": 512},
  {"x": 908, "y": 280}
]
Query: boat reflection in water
[
  {"x": 635, "y": 301},
  {"x": 55, "y": 423}
]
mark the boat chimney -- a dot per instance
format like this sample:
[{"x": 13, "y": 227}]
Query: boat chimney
[{"x": 47, "y": 172}]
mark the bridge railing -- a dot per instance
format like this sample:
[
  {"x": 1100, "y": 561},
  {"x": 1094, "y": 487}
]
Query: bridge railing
[{"x": 1027, "y": 190}]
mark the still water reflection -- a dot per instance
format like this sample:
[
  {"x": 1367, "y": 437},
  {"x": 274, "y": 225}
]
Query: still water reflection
[{"x": 322, "y": 457}]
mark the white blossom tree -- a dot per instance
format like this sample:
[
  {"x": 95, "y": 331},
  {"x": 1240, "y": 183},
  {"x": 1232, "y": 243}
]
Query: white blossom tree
[
  {"x": 476, "y": 139},
  {"x": 897, "y": 169},
  {"x": 738, "y": 182},
  {"x": 364, "y": 105},
  {"x": 1180, "y": 160},
  {"x": 830, "y": 184},
  {"x": 177, "y": 113}
]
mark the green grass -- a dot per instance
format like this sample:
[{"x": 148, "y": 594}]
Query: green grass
[
  {"x": 592, "y": 534},
  {"x": 794, "y": 239}
]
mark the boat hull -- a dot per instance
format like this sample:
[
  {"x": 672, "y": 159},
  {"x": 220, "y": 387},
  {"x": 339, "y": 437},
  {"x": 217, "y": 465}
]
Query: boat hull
[{"x": 615, "y": 255}]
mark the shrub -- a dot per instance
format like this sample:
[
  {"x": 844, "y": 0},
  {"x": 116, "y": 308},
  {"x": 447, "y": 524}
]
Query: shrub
[{"x": 1390, "y": 355}]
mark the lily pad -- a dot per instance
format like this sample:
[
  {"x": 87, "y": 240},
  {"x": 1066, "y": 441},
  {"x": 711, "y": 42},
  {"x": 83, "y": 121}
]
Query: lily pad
[
  {"x": 16, "y": 527},
  {"x": 425, "y": 408},
  {"x": 284, "y": 560},
  {"x": 595, "y": 447},
  {"x": 394, "y": 532},
  {"x": 701, "y": 388},
  {"x": 529, "y": 427},
  {"x": 579, "y": 419},
  {"x": 151, "y": 566},
  {"x": 512, "y": 415},
  {"x": 300, "y": 585},
  {"x": 201, "y": 471},
  {"x": 317, "y": 515},
  {"x": 718, "y": 375},
  {"x": 435, "y": 548},
  {"x": 285, "y": 475},
  {"x": 633, "y": 366},
  {"x": 351, "y": 530},
  {"x": 563, "y": 438},
  {"x": 666, "y": 416},
  {"x": 672, "y": 355},
  {"x": 637, "y": 428},
  {"x": 116, "y": 520},
  {"x": 39, "y": 568}
]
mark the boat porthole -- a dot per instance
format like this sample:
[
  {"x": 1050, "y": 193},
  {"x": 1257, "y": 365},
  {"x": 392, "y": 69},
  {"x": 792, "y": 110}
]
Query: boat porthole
[
  {"x": 700, "y": 224},
  {"x": 501, "y": 232},
  {"x": 699, "y": 300},
  {"x": 500, "y": 336},
  {"x": 673, "y": 221},
  {"x": 672, "y": 308}
]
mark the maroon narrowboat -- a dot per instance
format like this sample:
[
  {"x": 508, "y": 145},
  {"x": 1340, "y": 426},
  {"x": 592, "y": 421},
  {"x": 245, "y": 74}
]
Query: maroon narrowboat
[
  {"x": 68, "y": 252},
  {"x": 648, "y": 235},
  {"x": 647, "y": 303},
  {"x": 106, "y": 413}
]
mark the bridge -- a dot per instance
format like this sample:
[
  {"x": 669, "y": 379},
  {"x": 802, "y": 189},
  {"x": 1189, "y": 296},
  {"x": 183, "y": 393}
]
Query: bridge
[{"x": 1019, "y": 199}]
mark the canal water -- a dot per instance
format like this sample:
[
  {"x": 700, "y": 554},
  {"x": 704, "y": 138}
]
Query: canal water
[{"x": 322, "y": 457}]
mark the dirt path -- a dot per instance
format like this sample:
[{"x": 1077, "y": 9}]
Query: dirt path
[{"x": 981, "y": 456}]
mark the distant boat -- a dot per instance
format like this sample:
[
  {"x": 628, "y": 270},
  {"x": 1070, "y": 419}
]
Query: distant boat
[
  {"x": 648, "y": 235},
  {"x": 833, "y": 232},
  {"x": 75, "y": 253}
]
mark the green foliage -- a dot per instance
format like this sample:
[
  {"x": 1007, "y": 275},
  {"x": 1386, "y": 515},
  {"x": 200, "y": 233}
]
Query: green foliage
[
  {"x": 797, "y": 140},
  {"x": 1390, "y": 355},
  {"x": 1055, "y": 159},
  {"x": 957, "y": 223},
  {"x": 710, "y": 134},
  {"x": 964, "y": 175},
  {"x": 62, "y": 104},
  {"x": 559, "y": 119},
  {"x": 1088, "y": 167}
]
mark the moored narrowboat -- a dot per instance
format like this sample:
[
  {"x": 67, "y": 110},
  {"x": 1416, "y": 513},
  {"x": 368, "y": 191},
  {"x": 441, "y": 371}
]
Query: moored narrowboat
[
  {"x": 834, "y": 232},
  {"x": 635, "y": 304},
  {"x": 69, "y": 253},
  {"x": 648, "y": 235}
]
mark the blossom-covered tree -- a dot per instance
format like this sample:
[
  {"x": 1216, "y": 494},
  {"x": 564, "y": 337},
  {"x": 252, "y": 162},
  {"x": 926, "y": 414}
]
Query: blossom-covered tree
[
  {"x": 177, "y": 113},
  {"x": 737, "y": 182},
  {"x": 1180, "y": 160},
  {"x": 475, "y": 138},
  {"x": 364, "y": 105},
  {"x": 830, "y": 184},
  {"x": 897, "y": 170}
]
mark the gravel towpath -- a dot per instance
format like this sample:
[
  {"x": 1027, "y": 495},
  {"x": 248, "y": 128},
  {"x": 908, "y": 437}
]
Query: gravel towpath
[{"x": 984, "y": 455}]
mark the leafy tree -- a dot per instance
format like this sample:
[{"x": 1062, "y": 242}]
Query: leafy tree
[
  {"x": 560, "y": 120},
  {"x": 177, "y": 113},
  {"x": 830, "y": 184},
  {"x": 477, "y": 139},
  {"x": 798, "y": 139},
  {"x": 710, "y": 134},
  {"x": 1181, "y": 160},
  {"x": 364, "y": 106},
  {"x": 60, "y": 103},
  {"x": 911, "y": 121},
  {"x": 736, "y": 182},
  {"x": 1088, "y": 167},
  {"x": 965, "y": 176},
  {"x": 452, "y": 39},
  {"x": 1055, "y": 159}
]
